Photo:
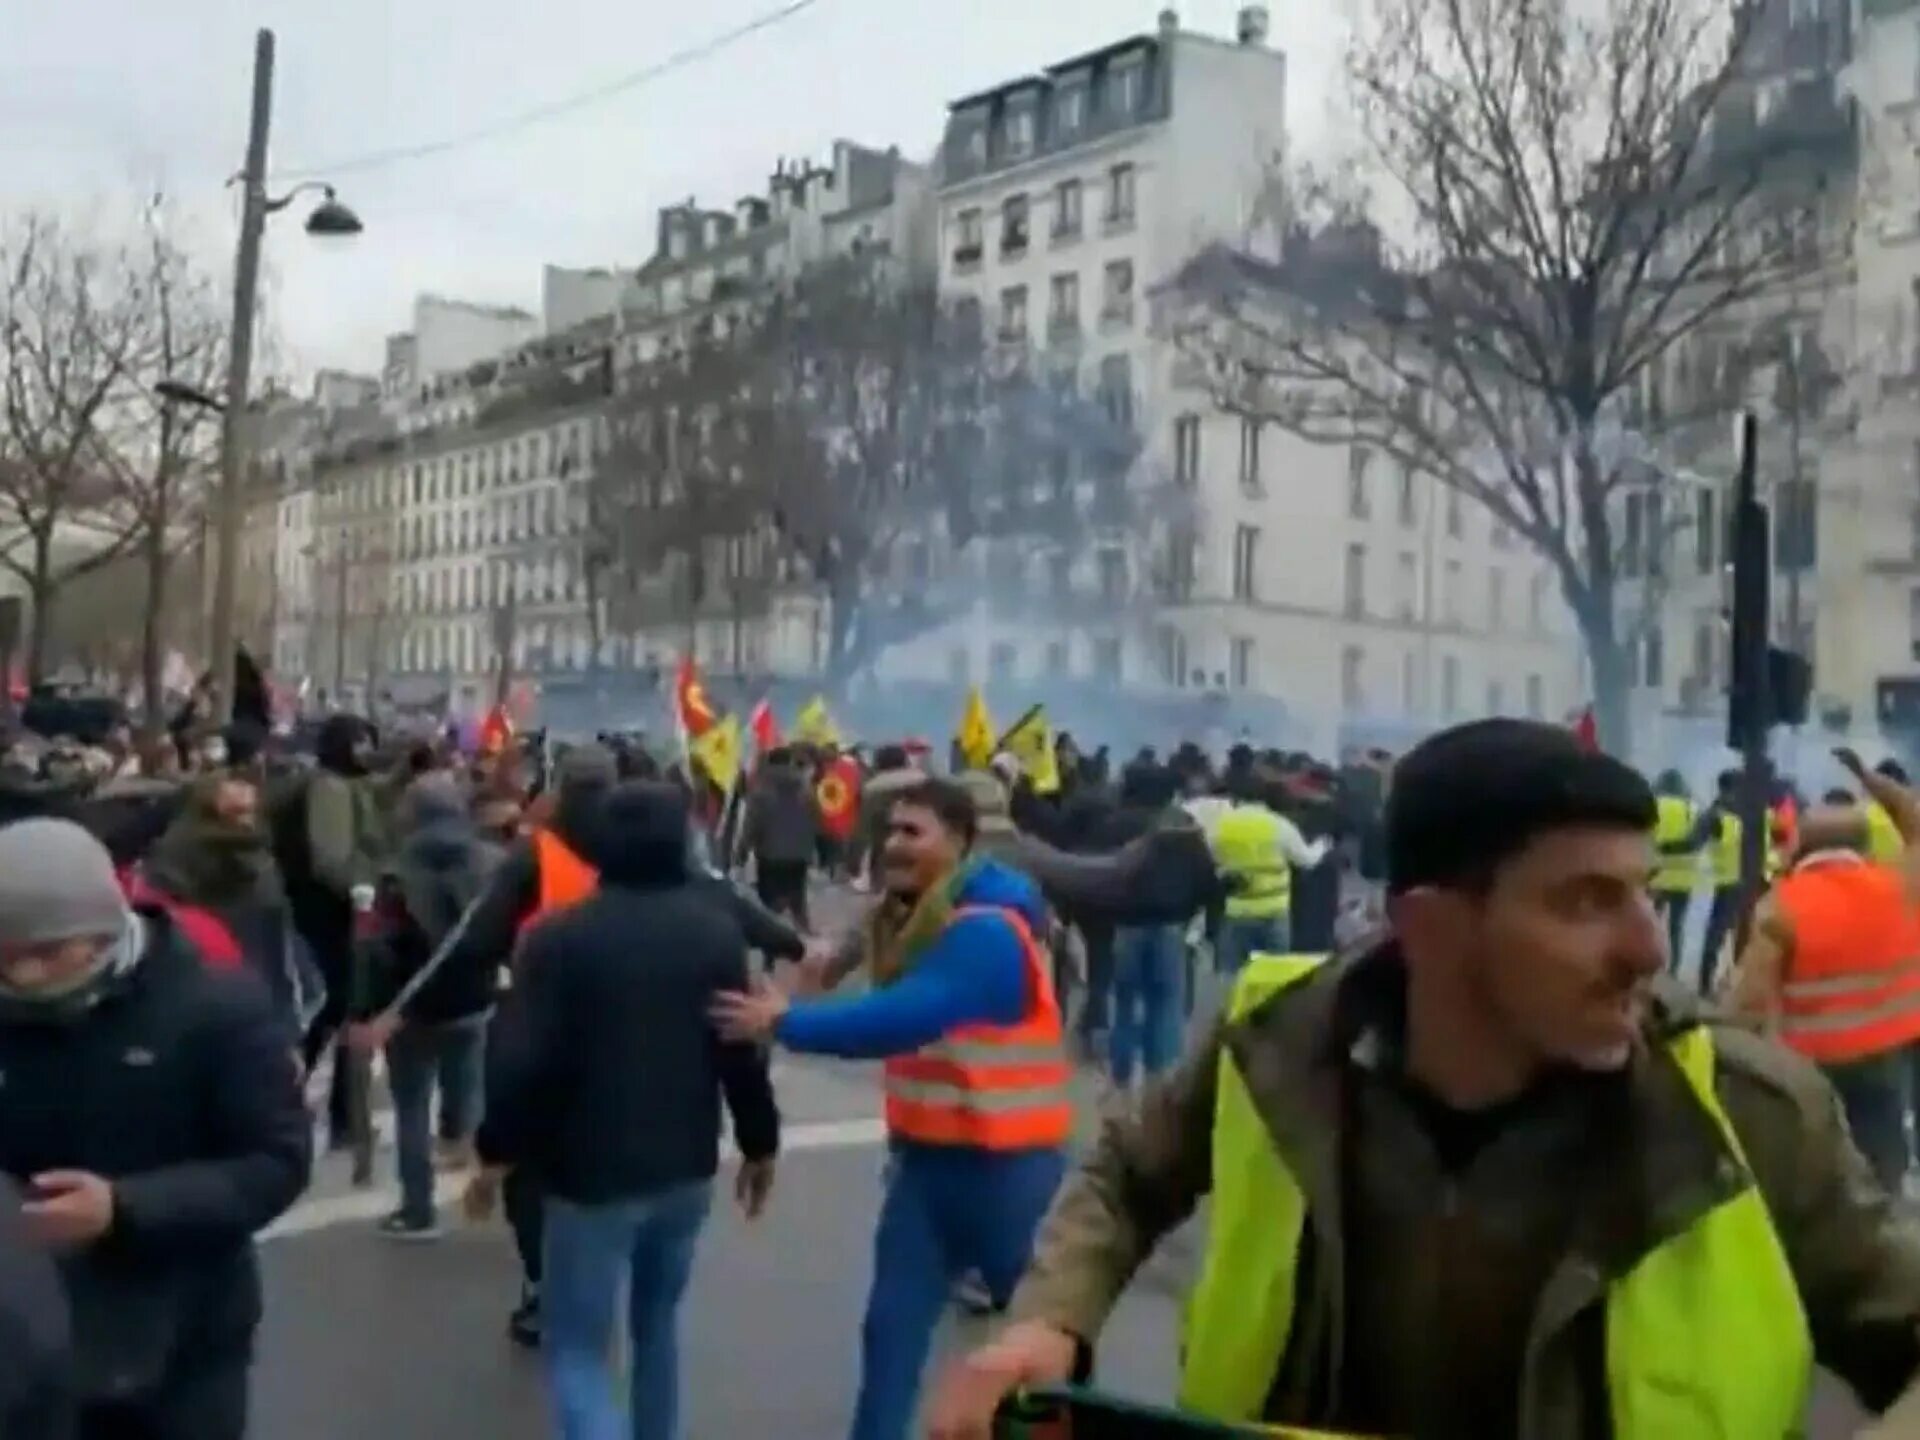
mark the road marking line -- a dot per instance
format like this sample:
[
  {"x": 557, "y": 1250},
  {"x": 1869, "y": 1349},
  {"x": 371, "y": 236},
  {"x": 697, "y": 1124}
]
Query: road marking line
[{"x": 326, "y": 1212}]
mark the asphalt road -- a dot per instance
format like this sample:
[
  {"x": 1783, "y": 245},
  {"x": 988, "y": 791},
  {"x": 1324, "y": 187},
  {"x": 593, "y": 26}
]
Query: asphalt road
[{"x": 367, "y": 1337}]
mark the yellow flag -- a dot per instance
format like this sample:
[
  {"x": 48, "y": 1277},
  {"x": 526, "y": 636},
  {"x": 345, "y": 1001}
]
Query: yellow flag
[
  {"x": 976, "y": 731},
  {"x": 814, "y": 724},
  {"x": 719, "y": 752},
  {"x": 1030, "y": 741}
]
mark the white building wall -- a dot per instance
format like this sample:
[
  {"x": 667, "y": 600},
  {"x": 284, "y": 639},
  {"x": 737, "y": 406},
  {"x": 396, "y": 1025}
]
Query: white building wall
[
  {"x": 1869, "y": 618},
  {"x": 1421, "y": 638},
  {"x": 571, "y": 297},
  {"x": 450, "y": 335}
]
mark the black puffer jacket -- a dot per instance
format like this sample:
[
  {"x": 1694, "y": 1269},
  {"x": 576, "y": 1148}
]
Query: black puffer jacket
[
  {"x": 605, "y": 1076},
  {"x": 176, "y": 1087}
]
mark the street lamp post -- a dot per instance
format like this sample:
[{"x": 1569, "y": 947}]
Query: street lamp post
[{"x": 330, "y": 217}]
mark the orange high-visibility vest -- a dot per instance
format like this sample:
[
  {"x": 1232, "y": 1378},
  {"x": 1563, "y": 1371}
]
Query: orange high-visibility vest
[
  {"x": 564, "y": 877},
  {"x": 1853, "y": 981},
  {"x": 995, "y": 1087}
]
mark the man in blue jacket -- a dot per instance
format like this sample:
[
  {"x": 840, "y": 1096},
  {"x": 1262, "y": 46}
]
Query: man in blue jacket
[{"x": 978, "y": 1108}]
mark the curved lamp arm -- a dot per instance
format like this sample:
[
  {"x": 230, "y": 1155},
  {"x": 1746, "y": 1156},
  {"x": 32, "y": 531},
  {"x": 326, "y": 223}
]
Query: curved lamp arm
[{"x": 275, "y": 205}]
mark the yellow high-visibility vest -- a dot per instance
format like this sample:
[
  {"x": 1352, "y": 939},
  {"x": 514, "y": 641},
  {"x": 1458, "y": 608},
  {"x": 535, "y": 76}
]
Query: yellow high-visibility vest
[
  {"x": 1726, "y": 851},
  {"x": 1674, "y": 873},
  {"x": 1246, "y": 845},
  {"x": 1884, "y": 845},
  {"x": 1705, "y": 1336}
]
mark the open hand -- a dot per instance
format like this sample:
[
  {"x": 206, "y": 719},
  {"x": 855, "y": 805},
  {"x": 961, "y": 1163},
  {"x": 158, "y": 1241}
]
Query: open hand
[{"x": 749, "y": 1014}]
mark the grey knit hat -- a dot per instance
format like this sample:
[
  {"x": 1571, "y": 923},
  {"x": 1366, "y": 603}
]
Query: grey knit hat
[{"x": 56, "y": 883}]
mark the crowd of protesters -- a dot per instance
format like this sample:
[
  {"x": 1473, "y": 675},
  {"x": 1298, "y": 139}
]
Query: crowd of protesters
[{"x": 552, "y": 949}]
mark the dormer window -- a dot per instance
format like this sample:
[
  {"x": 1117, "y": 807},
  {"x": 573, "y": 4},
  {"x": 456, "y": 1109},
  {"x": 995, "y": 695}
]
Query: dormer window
[
  {"x": 1017, "y": 130},
  {"x": 1126, "y": 84},
  {"x": 1070, "y": 109}
]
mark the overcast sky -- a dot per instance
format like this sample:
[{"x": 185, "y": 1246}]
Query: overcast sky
[{"x": 103, "y": 101}]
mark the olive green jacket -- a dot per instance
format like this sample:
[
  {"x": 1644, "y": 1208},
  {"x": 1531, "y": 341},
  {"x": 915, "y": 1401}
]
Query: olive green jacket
[{"x": 1659, "y": 1164}]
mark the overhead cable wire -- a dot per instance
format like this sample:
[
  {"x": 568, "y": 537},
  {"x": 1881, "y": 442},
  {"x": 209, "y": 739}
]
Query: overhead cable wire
[{"x": 553, "y": 109}]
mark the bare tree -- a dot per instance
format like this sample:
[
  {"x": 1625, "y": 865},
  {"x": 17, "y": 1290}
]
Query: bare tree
[
  {"x": 843, "y": 438},
  {"x": 1559, "y": 196},
  {"x": 158, "y": 451},
  {"x": 73, "y": 325}
]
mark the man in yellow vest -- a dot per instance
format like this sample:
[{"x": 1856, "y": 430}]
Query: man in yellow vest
[
  {"x": 1720, "y": 830},
  {"x": 1492, "y": 1176},
  {"x": 1256, "y": 848},
  {"x": 1678, "y": 864}
]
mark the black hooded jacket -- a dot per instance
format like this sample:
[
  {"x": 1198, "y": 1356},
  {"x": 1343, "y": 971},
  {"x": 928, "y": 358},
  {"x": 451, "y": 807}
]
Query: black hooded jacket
[
  {"x": 605, "y": 1076},
  {"x": 513, "y": 892}
]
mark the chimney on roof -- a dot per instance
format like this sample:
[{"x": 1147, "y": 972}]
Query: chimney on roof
[
  {"x": 1169, "y": 20},
  {"x": 1253, "y": 24}
]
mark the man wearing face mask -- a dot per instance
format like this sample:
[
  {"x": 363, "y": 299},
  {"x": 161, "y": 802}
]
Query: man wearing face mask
[
  {"x": 150, "y": 1117},
  {"x": 1494, "y": 1176}
]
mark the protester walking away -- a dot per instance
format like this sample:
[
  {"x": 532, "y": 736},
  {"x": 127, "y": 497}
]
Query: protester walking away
[
  {"x": 217, "y": 856},
  {"x": 36, "y": 1379},
  {"x": 1149, "y": 959},
  {"x": 1256, "y": 850},
  {"x": 1719, "y": 830},
  {"x": 1677, "y": 861},
  {"x": 976, "y": 1077},
  {"x": 544, "y": 871},
  {"x": 1829, "y": 967},
  {"x": 151, "y": 1114},
  {"x": 1555, "y": 1198},
  {"x": 607, "y": 1082},
  {"x": 329, "y": 835},
  {"x": 782, "y": 834},
  {"x": 434, "y": 1043}
]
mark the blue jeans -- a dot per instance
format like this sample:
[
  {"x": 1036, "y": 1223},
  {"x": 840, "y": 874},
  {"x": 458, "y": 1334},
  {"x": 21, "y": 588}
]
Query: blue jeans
[
  {"x": 1149, "y": 999},
  {"x": 452, "y": 1054},
  {"x": 1243, "y": 937},
  {"x": 947, "y": 1211},
  {"x": 1873, "y": 1094},
  {"x": 647, "y": 1244}
]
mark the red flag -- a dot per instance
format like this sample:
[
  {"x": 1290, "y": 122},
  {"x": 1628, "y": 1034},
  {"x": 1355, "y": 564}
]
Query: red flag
[
  {"x": 1586, "y": 729},
  {"x": 765, "y": 726},
  {"x": 696, "y": 714},
  {"x": 495, "y": 731},
  {"x": 838, "y": 796}
]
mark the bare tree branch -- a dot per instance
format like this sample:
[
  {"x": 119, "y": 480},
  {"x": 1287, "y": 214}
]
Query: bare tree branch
[{"x": 1572, "y": 192}]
